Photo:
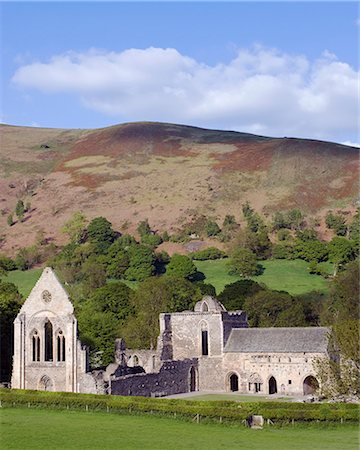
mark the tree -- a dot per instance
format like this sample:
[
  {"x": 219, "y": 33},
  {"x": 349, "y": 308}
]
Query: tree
[
  {"x": 337, "y": 223},
  {"x": 101, "y": 234},
  {"x": 312, "y": 250},
  {"x": 154, "y": 296},
  {"x": 295, "y": 218},
  {"x": 142, "y": 263},
  {"x": 20, "y": 210},
  {"x": 341, "y": 251},
  {"x": 143, "y": 228},
  {"x": 234, "y": 294},
  {"x": 274, "y": 309},
  {"x": 259, "y": 243},
  {"x": 75, "y": 227},
  {"x": 181, "y": 266},
  {"x": 211, "y": 228},
  {"x": 10, "y": 303},
  {"x": 341, "y": 312},
  {"x": 354, "y": 229},
  {"x": 243, "y": 262}
]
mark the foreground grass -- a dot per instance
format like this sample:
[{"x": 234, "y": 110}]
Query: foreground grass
[
  {"x": 39, "y": 429},
  {"x": 279, "y": 274},
  {"x": 24, "y": 279}
]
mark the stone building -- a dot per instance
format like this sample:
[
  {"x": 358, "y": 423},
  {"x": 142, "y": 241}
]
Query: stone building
[
  {"x": 208, "y": 349},
  {"x": 47, "y": 353}
]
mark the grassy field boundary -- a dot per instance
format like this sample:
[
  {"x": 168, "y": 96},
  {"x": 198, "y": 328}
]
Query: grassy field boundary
[{"x": 219, "y": 411}]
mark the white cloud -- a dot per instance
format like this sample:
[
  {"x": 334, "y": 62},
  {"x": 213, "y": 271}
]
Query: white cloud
[{"x": 260, "y": 89}]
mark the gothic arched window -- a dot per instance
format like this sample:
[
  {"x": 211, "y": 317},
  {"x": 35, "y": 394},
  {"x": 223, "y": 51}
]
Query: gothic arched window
[
  {"x": 48, "y": 329},
  {"x": 60, "y": 346},
  {"x": 35, "y": 346}
]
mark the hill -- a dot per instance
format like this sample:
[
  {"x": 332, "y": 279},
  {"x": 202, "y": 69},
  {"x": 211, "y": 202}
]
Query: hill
[{"x": 165, "y": 173}]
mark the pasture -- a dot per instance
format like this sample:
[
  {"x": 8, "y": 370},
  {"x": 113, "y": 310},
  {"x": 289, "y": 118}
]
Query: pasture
[
  {"x": 24, "y": 428},
  {"x": 279, "y": 274}
]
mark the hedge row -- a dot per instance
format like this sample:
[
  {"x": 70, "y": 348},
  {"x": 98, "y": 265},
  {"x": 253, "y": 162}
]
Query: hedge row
[{"x": 228, "y": 410}]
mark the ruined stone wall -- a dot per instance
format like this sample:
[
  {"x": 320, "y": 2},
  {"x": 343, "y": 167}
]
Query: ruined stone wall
[
  {"x": 173, "y": 378},
  {"x": 186, "y": 331}
]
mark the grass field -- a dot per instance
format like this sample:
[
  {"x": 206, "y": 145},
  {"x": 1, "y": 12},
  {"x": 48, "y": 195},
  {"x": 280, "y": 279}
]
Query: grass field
[
  {"x": 24, "y": 280},
  {"x": 39, "y": 429},
  {"x": 279, "y": 274}
]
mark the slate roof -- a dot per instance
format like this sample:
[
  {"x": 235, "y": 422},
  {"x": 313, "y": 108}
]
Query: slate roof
[{"x": 278, "y": 340}]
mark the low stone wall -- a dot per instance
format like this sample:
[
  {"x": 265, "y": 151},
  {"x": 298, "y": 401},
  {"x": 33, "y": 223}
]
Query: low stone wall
[{"x": 173, "y": 378}]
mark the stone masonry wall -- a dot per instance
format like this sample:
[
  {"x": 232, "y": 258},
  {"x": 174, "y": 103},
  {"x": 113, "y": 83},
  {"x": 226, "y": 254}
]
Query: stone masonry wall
[{"x": 173, "y": 378}]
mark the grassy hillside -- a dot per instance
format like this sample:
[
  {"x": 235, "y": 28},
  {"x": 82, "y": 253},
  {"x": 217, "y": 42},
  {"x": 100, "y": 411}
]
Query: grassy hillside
[
  {"x": 165, "y": 173},
  {"x": 35, "y": 429},
  {"x": 279, "y": 274}
]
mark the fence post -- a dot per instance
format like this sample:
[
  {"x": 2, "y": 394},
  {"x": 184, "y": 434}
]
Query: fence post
[{"x": 87, "y": 408}]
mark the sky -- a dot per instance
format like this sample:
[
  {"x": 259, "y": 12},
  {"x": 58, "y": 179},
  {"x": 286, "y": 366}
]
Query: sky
[{"x": 270, "y": 68}]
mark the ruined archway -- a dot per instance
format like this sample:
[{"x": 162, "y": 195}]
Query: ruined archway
[
  {"x": 310, "y": 385},
  {"x": 45, "y": 384},
  {"x": 272, "y": 385}
]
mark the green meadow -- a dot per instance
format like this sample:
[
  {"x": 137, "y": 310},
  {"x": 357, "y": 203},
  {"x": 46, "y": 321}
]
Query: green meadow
[
  {"x": 23, "y": 428},
  {"x": 279, "y": 274}
]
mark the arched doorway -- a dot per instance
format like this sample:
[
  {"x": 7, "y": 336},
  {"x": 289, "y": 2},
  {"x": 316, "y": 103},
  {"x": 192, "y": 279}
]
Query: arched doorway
[
  {"x": 234, "y": 382},
  {"x": 310, "y": 385},
  {"x": 46, "y": 384},
  {"x": 272, "y": 386},
  {"x": 193, "y": 383}
]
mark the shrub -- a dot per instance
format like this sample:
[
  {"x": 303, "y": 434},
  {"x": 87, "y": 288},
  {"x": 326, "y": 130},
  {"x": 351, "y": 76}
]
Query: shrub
[{"x": 207, "y": 253}]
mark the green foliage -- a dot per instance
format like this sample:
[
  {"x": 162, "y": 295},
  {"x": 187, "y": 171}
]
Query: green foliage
[
  {"x": 143, "y": 228},
  {"x": 153, "y": 296},
  {"x": 118, "y": 264},
  {"x": 283, "y": 234},
  {"x": 230, "y": 221},
  {"x": 291, "y": 219},
  {"x": 341, "y": 251},
  {"x": 7, "y": 263},
  {"x": 354, "y": 229},
  {"x": 27, "y": 257},
  {"x": 337, "y": 223},
  {"x": 75, "y": 227},
  {"x": 181, "y": 266},
  {"x": 281, "y": 412},
  {"x": 312, "y": 250},
  {"x": 243, "y": 262},
  {"x": 152, "y": 240},
  {"x": 20, "y": 210},
  {"x": 341, "y": 311},
  {"x": 10, "y": 303},
  {"x": 284, "y": 250},
  {"x": 142, "y": 263},
  {"x": 10, "y": 220},
  {"x": 100, "y": 234},
  {"x": 259, "y": 243},
  {"x": 207, "y": 253},
  {"x": 211, "y": 228},
  {"x": 100, "y": 318},
  {"x": 274, "y": 309},
  {"x": 234, "y": 294}
]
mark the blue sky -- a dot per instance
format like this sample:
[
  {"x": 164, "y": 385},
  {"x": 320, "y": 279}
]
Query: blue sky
[{"x": 283, "y": 69}]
